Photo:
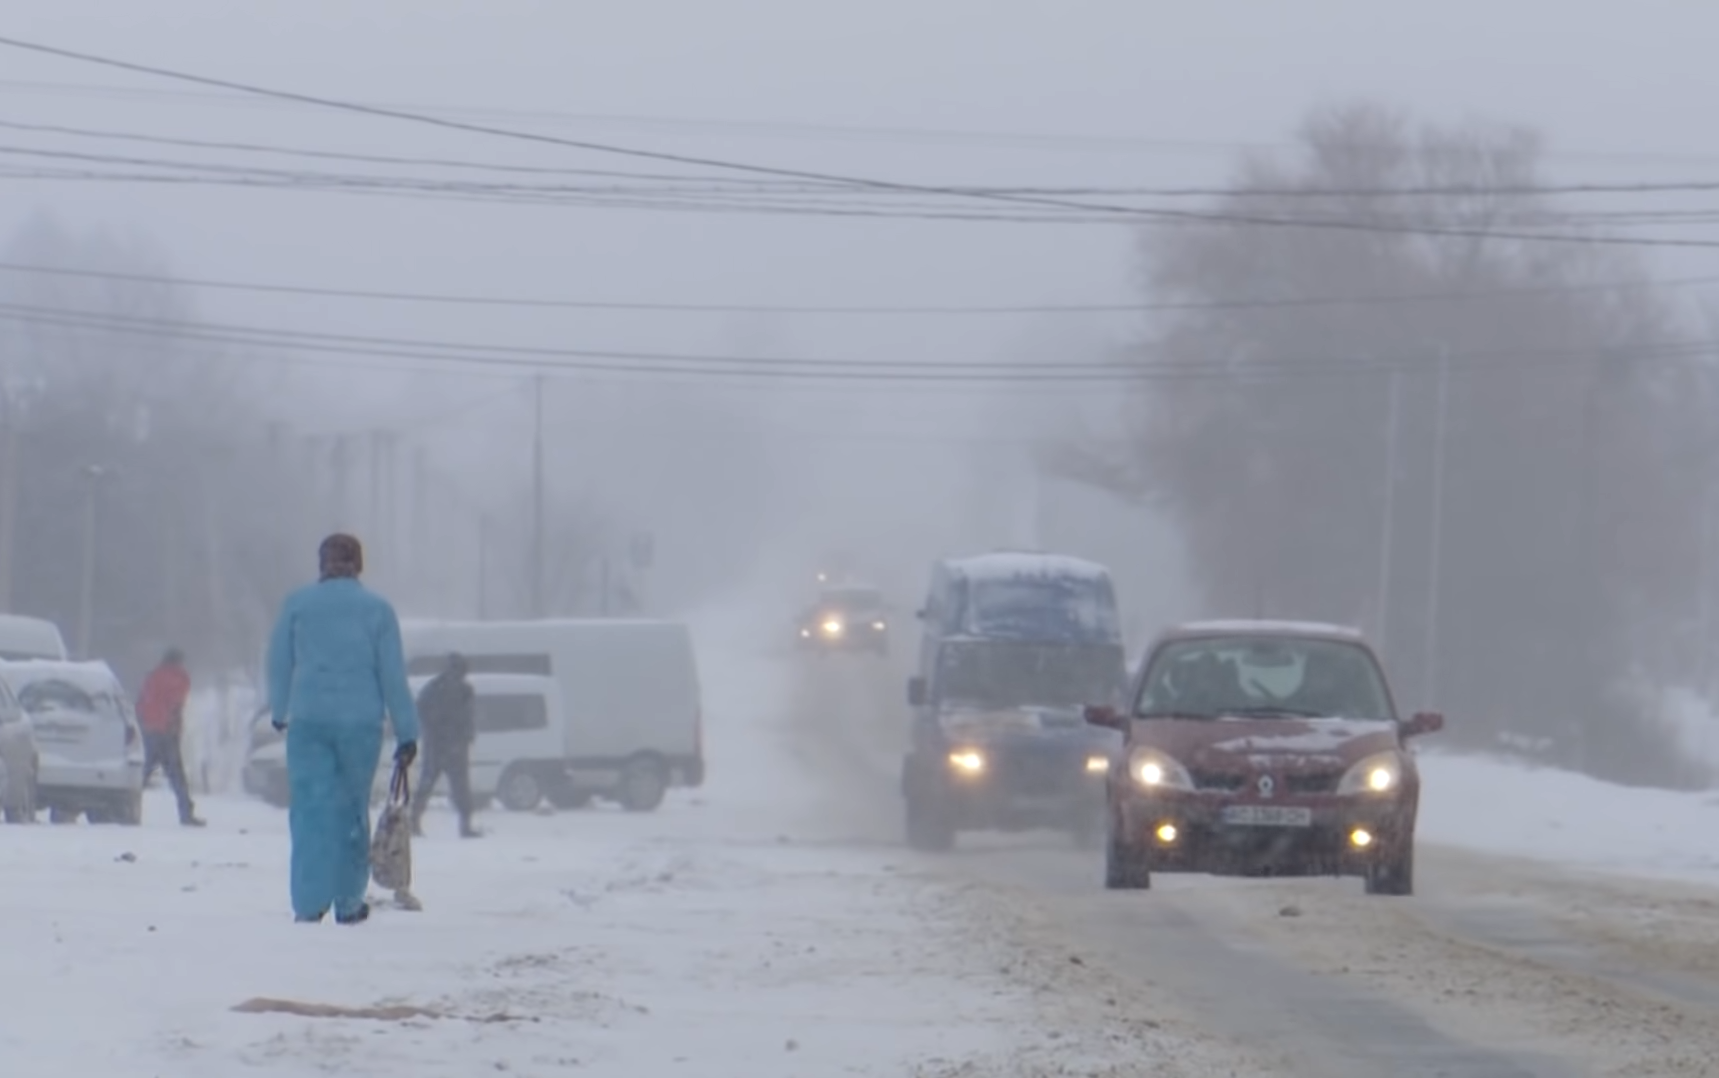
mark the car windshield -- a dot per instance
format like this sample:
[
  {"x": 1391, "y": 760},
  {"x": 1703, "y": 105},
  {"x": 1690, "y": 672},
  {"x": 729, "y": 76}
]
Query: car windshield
[
  {"x": 1264, "y": 677},
  {"x": 1009, "y": 674},
  {"x": 1047, "y": 607},
  {"x": 851, "y": 600}
]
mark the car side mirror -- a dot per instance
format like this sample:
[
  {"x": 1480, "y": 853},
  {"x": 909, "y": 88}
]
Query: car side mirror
[
  {"x": 916, "y": 691},
  {"x": 1103, "y": 715},
  {"x": 1423, "y": 722}
]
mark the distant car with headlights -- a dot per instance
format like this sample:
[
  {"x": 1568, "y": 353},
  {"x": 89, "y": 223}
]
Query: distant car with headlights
[
  {"x": 1012, "y": 646},
  {"x": 845, "y": 617},
  {"x": 1258, "y": 748}
]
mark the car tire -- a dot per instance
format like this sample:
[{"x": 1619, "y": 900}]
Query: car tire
[
  {"x": 1394, "y": 876},
  {"x": 1125, "y": 865},
  {"x": 519, "y": 790},
  {"x": 24, "y": 809},
  {"x": 644, "y": 784},
  {"x": 927, "y": 825},
  {"x": 62, "y": 816},
  {"x": 128, "y": 810}
]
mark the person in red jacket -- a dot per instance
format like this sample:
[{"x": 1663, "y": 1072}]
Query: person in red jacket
[{"x": 161, "y": 713}]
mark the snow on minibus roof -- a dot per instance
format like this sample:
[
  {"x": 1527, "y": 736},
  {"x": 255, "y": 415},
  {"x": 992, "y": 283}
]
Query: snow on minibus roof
[
  {"x": 539, "y": 623},
  {"x": 1003, "y": 565}
]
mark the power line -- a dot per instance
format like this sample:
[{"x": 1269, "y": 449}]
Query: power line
[
  {"x": 855, "y": 181},
  {"x": 807, "y": 187},
  {"x": 917, "y": 135},
  {"x": 1190, "y": 306},
  {"x": 714, "y": 369}
]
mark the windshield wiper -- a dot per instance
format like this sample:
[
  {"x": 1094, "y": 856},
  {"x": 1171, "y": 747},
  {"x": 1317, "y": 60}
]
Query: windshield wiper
[
  {"x": 1201, "y": 715},
  {"x": 1267, "y": 710}
]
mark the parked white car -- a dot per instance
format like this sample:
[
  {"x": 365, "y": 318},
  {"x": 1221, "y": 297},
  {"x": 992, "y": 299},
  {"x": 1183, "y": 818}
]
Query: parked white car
[
  {"x": 90, "y": 746},
  {"x": 265, "y": 773},
  {"x": 19, "y": 760},
  {"x": 23, "y": 638}
]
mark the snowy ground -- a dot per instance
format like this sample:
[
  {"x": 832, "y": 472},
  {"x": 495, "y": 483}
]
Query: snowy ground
[
  {"x": 733, "y": 933},
  {"x": 1512, "y": 810}
]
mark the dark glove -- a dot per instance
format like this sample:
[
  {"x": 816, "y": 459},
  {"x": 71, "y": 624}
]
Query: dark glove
[{"x": 406, "y": 753}]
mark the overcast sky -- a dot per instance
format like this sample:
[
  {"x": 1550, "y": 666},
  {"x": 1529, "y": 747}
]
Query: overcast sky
[{"x": 1078, "y": 92}]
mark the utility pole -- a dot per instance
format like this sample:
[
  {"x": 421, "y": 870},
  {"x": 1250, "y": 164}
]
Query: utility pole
[
  {"x": 93, "y": 475},
  {"x": 340, "y": 462},
  {"x": 1436, "y": 540},
  {"x": 537, "y": 605},
  {"x": 483, "y": 567},
  {"x": 418, "y": 541},
  {"x": 9, "y": 446},
  {"x": 1387, "y": 527},
  {"x": 375, "y": 539}
]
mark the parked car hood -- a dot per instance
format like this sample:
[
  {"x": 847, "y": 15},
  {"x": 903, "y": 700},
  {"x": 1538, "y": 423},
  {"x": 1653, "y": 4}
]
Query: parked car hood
[{"x": 1278, "y": 743}]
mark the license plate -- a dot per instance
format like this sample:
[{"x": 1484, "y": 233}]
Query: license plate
[{"x": 1268, "y": 816}]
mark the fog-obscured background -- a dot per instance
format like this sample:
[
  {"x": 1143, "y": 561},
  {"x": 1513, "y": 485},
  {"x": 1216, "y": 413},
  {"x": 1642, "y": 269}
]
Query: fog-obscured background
[{"x": 1388, "y": 319}]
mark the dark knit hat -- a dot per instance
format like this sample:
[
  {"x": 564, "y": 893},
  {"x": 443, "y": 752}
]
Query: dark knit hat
[{"x": 340, "y": 555}]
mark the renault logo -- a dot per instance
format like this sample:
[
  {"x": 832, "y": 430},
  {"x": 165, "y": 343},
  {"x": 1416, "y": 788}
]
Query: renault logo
[{"x": 1266, "y": 786}]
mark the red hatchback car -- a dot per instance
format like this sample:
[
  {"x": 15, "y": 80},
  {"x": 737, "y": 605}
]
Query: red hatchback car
[{"x": 1259, "y": 748}]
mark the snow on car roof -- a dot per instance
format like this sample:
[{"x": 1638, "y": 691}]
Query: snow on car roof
[
  {"x": 92, "y": 676},
  {"x": 1264, "y": 627},
  {"x": 1016, "y": 564}
]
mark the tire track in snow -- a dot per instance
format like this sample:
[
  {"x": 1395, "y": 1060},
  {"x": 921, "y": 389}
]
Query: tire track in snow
[{"x": 1168, "y": 943}]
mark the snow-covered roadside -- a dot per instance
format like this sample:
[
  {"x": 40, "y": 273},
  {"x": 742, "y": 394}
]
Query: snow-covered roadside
[
  {"x": 717, "y": 937},
  {"x": 1509, "y": 809}
]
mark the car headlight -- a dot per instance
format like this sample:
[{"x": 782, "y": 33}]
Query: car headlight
[
  {"x": 1380, "y": 773},
  {"x": 878, "y": 625},
  {"x": 967, "y": 761},
  {"x": 832, "y": 627},
  {"x": 1097, "y": 764},
  {"x": 1156, "y": 771}
]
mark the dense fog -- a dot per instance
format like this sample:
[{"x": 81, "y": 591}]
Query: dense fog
[{"x": 568, "y": 336}]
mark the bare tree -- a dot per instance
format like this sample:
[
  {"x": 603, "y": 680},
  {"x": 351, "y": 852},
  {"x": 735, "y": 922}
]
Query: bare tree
[{"x": 1492, "y": 474}]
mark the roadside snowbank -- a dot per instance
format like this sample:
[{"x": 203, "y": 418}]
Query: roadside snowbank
[
  {"x": 1509, "y": 809},
  {"x": 722, "y": 936}
]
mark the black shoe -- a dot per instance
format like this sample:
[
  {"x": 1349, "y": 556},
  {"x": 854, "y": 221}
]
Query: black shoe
[
  {"x": 312, "y": 919},
  {"x": 356, "y": 917},
  {"x": 192, "y": 821},
  {"x": 468, "y": 831}
]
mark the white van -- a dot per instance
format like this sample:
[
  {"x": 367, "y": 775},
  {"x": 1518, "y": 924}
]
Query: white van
[
  {"x": 23, "y": 638},
  {"x": 89, "y": 744},
  {"x": 629, "y": 723},
  {"x": 521, "y": 731}
]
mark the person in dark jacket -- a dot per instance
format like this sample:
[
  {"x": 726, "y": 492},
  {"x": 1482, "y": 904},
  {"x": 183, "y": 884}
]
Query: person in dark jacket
[
  {"x": 161, "y": 713},
  {"x": 337, "y": 670},
  {"x": 447, "y": 710}
]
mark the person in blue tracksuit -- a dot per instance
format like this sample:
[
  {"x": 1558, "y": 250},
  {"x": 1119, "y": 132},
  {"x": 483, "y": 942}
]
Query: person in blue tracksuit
[{"x": 336, "y": 666}]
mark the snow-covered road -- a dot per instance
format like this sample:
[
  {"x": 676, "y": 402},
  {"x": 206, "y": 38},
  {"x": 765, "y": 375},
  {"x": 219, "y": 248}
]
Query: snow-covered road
[
  {"x": 739, "y": 932},
  {"x": 1547, "y": 938}
]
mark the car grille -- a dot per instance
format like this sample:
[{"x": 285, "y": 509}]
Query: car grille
[
  {"x": 1217, "y": 780},
  {"x": 1042, "y": 773},
  {"x": 1313, "y": 782}
]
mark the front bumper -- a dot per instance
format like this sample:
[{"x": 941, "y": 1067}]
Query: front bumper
[
  {"x": 118, "y": 776},
  {"x": 1023, "y": 790},
  {"x": 1305, "y": 836},
  {"x": 853, "y": 639}
]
